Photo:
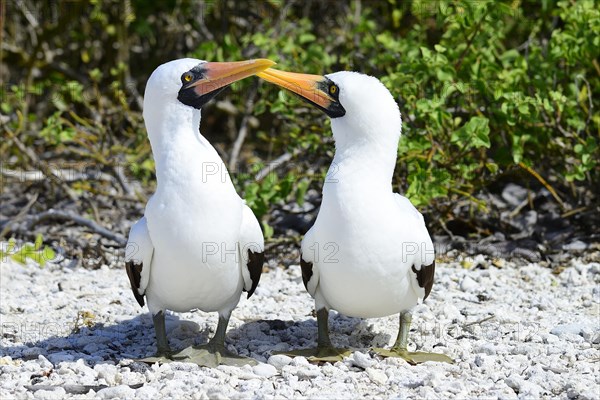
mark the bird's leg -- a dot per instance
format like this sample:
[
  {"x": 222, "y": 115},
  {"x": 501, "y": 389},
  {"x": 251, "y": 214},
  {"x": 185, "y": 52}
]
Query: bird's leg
[
  {"x": 400, "y": 347},
  {"x": 164, "y": 352},
  {"x": 323, "y": 328},
  {"x": 324, "y": 352},
  {"x": 214, "y": 353},
  {"x": 162, "y": 343}
]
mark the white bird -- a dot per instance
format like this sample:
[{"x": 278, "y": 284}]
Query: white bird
[
  {"x": 368, "y": 253},
  {"x": 198, "y": 245}
]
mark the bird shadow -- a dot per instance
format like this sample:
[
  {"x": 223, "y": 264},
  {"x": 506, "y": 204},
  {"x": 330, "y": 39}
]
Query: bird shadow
[
  {"x": 64, "y": 342},
  {"x": 118, "y": 343},
  {"x": 134, "y": 338},
  {"x": 260, "y": 338}
]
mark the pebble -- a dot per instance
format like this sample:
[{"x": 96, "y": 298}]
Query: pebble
[
  {"x": 514, "y": 194},
  {"x": 486, "y": 348},
  {"x": 279, "y": 361},
  {"x": 265, "y": 370},
  {"x": 309, "y": 372},
  {"x": 32, "y": 352},
  {"x": 469, "y": 285},
  {"x": 330, "y": 370},
  {"x": 116, "y": 392},
  {"x": 299, "y": 362},
  {"x": 362, "y": 360},
  {"x": 44, "y": 363},
  {"x": 576, "y": 245},
  {"x": 536, "y": 324},
  {"x": 6, "y": 360},
  {"x": 479, "y": 360},
  {"x": 109, "y": 373},
  {"x": 569, "y": 329},
  {"x": 81, "y": 368},
  {"x": 525, "y": 388},
  {"x": 56, "y": 358},
  {"x": 91, "y": 348},
  {"x": 377, "y": 376},
  {"x": 549, "y": 338},
  {"x": 146, "y": 392},
  {"x": 591, "y": 336},
  {"x": 55, "y": 394}
]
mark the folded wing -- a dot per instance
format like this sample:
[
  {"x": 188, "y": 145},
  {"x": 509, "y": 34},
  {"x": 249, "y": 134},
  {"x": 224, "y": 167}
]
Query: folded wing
[
  {"x": 423, "y": 268},
  {"x": 138, "y": 259},
  {"x": 251, "y": 249}
]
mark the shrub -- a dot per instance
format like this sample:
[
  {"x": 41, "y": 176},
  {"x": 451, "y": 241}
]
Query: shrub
[{"x": 488, "y": 90}]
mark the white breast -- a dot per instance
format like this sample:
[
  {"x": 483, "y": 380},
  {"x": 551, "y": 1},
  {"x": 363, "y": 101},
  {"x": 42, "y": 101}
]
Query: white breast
[
  {"x": 365, "y": 241},
  {"x": 194, "y": 221}
]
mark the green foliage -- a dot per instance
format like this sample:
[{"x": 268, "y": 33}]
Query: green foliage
[
  {"x": 37, "y": 252},
  {"x": 55, "y": 131},
  {"x": 473, "y": 134},
  {"x": 486, "y": 89}
]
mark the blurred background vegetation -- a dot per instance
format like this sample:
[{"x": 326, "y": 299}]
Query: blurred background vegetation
[{"x": 490, "y": 92}]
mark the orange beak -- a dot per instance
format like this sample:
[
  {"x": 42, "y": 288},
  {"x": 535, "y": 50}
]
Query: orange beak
[
  {"x": 220, "y": 74},
  {"x": 318, "y": 90}
]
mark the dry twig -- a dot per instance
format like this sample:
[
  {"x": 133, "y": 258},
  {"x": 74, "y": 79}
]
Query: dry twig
[
  {"x": 544, "y": 183},
  {"x": 243, "y": 131},
  {"x": 60, "y": 215},
  {"x": 19, "y": 216}
]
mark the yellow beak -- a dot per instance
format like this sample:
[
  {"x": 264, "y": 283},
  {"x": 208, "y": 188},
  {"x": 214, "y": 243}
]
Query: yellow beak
[{"x": 316, "y": 89}]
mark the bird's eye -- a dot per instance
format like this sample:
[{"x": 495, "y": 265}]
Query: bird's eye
[
  {"x": 187, "y": 77},
  {"x": 333, "y": 89}
]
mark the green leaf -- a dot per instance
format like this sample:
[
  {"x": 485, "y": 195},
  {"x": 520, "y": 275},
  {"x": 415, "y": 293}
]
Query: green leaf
[
  {"x": 267, "y": 230},
  {"x": 426, "y": 52},
  {"x": 306, "y": 38},
  {"x": 474, "y": 133},
  {"x": 301, "y": 189},
  {"x": 492, "y": 167}
]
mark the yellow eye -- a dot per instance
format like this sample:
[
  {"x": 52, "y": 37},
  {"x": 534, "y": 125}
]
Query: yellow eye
[
  {"x": 188, "y": 77},
  {"x": 333, "y": 89}
]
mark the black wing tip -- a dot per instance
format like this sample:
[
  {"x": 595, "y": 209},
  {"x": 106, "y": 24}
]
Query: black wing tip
[
  {"x": 134, "y": 272},
  {"x": 425, "y": 277},
  {"x": 140, "y": 300},
  {"x": 255, "y": 266},
  {"x": 307, "y": 271}
]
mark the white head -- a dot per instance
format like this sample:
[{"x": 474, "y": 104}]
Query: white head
[
  {"x": 178, "y": 89},
  {"x": 163, "y": 86},
  {"x": 361, "y": 108},
  {"x": 372, "y": 114}
]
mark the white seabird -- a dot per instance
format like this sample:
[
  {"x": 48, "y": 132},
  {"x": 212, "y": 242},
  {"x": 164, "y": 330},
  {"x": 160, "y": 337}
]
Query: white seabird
[
  {"x": 369, "y": 253},
  {"x": 198, "y": 245}
]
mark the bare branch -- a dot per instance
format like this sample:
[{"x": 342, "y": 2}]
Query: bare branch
[
  {"x": 272, "y": 166},
  {"x": 19, "y": 216},
  {"x": 243, "y": 131},
  {"x": 44, "y": 168},
  {"x": 60, "y": 215}
]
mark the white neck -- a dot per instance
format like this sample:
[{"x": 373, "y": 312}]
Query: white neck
[
  {"x": 180, "y": 151},
  {"x": 365, "y": 160}
]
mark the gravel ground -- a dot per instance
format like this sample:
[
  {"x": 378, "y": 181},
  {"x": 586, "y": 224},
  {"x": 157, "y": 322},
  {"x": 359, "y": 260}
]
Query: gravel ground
[{"x": 516, "y": 331}]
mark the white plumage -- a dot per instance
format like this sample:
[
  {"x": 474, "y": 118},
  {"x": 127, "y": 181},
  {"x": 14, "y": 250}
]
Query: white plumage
[
  {"x": 366, "y": 239},
  {"x": 197, "y": 235},
  {"x": 195, "y": 220},
  {"x": 369, "y": 253}
]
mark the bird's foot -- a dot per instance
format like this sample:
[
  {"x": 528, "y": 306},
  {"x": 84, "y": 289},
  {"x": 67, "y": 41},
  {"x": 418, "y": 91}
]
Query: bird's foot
[
  {"x": 211, "y": 355},
  {"x": 413, "y": 358},
  {"x": 319, "y": 354},
  {"x": 161, "y": 357}
]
